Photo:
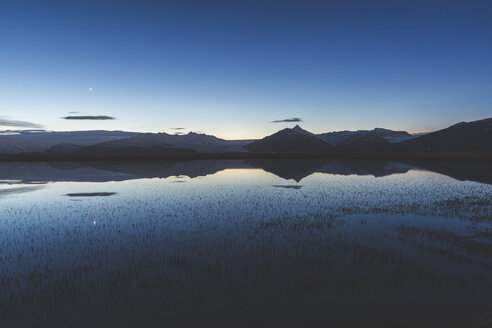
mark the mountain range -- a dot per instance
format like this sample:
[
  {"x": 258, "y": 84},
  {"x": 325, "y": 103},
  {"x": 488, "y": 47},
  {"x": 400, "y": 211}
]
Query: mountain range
[{"x": 465, "y": 136}]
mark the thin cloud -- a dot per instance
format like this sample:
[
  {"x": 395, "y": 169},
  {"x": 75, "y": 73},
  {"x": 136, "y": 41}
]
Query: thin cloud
[
  {"x": 89, "y": 117},
  {"x": 17, "y": 132},
  {"x": 288, "y": 187},
  {"x": 178, "y": 128},
  {"x": 92, "y": 194},
  {"x": 19, "y": 124},
  {"x": 18, "y": 190},
  {"x": 288, "y": 120}
]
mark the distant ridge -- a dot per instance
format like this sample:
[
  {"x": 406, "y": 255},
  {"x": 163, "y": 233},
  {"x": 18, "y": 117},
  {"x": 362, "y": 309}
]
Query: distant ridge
[
  {"x": 338, "y": 137},
  {"x": 64, "y": 148},
  {"x": 195, "y": 142},
  {"x": 15, "y": 142},
  {"x": 364, "y": 142}
]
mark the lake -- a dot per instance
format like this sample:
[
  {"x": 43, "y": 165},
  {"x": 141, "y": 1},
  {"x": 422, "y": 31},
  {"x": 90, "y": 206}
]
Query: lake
[{"x": 246, "y": 242}]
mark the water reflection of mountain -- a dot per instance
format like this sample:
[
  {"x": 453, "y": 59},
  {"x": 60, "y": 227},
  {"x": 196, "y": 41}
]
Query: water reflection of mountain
[
  {"x": 166, "y": 169},
  {"x": 295, "y": 169},
  {"x": 40, "y": 172},
  {"x": 478, "y": 171},
  {"x": 103, "y": 171},
  {"x": 298, "y": 169}
]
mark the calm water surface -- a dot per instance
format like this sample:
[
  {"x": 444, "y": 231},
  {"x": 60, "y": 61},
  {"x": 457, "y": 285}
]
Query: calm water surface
[{"x": 351, "y": 243}]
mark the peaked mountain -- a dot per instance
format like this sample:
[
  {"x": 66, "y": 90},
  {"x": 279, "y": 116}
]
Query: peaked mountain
[
  {"x": 464, "y": 136},
  {"x": 336, "y": 138},
  {"x": 295, "y": 140}
]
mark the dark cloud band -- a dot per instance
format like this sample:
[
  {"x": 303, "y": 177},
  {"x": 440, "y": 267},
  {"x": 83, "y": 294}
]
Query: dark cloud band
[
  {"x": 92, "y": 194},
  {"x": 288, "y": 120},
  {"x": 19, "y": 124},
  {"x": 87, "y": 117}
]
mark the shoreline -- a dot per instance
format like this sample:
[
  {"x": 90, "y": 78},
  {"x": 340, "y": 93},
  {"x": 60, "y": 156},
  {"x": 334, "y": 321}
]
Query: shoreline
[{"x": 434, "y": 155}]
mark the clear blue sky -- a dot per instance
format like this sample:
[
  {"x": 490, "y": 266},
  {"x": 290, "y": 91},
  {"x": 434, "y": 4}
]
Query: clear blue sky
[{"x": 230, "y": 67}]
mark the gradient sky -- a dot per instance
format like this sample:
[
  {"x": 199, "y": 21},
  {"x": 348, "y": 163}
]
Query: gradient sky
[{"x": 230, "y": 67}]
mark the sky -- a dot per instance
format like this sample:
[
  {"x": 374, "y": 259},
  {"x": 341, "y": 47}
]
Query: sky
[{"x": 230, "y": 68}]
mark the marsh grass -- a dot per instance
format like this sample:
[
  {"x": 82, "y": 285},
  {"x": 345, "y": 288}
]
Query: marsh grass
[{"x": 159, "y": 249}]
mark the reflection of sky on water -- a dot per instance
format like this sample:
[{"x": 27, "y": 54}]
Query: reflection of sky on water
[{"x": 425, "y": 221}]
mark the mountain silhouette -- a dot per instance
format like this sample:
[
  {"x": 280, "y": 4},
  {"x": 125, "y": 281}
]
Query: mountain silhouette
[
  {"x": 294, "y": 140},
  {"x": 34, "y": 144},
  {"x": 464, "y": 136}
]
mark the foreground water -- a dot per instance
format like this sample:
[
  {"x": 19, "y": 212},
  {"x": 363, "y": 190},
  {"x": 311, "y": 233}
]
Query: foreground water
[{"x": 357, "y": 243}]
